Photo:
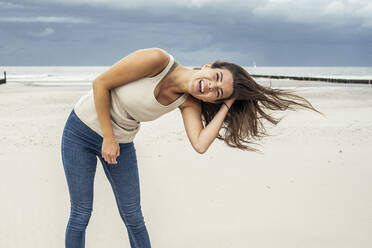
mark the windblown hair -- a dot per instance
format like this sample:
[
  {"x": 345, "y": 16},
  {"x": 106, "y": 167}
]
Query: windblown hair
[{"x": 243, "y": 124}]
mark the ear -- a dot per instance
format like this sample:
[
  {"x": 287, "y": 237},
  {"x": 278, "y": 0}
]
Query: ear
[{"x": 208, "y": 65}]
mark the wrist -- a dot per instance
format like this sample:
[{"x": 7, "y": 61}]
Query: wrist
[
  {"x": 226, "y": 105},
  {"x": 108, "y": 137}
]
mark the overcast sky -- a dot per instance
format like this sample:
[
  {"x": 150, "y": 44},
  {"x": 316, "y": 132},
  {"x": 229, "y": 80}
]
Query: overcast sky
[{"x": 269, "y": 32}]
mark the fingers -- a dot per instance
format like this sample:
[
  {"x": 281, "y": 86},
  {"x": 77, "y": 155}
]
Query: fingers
[
  {"x": 110, "y": 156},
  {"x": 112, "y": 159},
  {"x": 209, "y": 64}
]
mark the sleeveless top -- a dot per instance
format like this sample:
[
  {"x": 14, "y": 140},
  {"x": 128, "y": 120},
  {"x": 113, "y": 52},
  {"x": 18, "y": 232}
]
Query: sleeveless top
[{"x": 131, "y": 104}]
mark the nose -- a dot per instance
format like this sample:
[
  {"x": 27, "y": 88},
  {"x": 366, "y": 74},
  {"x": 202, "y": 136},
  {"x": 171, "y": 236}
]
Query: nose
[{"x": 211, "y": 85}]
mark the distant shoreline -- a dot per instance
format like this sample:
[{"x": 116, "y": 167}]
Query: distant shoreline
[
  {"x": 297, "y": 76},
  {"x": 329, "y": 80}
]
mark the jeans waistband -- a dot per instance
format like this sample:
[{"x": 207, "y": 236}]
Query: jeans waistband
[{"x": 78, "y": 130}]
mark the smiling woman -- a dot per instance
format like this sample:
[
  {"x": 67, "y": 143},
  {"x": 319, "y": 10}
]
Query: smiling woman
[{"x": 141, "y": 87}]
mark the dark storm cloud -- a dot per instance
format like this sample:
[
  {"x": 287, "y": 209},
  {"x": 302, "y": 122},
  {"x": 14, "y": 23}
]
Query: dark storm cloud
[{"x": 276, "y": 32}]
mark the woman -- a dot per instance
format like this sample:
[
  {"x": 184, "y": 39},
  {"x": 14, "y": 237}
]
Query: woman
[{"x": 141, "y": 87}]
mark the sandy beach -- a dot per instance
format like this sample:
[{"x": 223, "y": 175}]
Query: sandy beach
[{"x": 311, "y": 187}]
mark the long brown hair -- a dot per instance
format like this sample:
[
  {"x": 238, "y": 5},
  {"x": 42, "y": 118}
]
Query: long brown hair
[{"x": 243, "y": 125}]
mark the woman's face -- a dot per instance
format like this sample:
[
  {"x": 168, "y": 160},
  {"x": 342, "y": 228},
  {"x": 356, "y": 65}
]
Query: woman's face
[{"x": 211, "y": 84}]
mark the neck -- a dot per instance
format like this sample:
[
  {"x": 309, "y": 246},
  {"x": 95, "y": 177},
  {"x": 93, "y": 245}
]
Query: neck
[{"x": 179, "y": 79}]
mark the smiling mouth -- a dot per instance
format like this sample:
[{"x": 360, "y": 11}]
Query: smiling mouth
[{"x": 201, "y": 86}]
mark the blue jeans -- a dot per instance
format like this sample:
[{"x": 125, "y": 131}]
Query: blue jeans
[{"x": 80, "y": 148}]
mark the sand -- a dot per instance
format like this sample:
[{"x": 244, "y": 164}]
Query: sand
[{"x": 311, "y": 187}]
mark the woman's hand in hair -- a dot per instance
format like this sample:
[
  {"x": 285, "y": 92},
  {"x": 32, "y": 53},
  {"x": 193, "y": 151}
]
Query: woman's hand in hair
[{"x": 110, "y": 150}]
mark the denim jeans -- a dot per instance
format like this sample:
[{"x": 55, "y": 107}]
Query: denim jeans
[{"x": 80, "y": 148}]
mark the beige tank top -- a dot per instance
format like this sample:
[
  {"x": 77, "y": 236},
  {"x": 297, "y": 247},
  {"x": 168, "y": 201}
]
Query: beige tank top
[{"x": 131, "y": 104}]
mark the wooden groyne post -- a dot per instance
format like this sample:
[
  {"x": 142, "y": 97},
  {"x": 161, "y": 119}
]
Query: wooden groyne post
[{"x": 3, "y": 81}]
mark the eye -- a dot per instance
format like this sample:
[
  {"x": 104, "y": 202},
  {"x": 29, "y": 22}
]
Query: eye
[
  {"x": 218, "y": 93},
  {"x": 217, "y": 76}
]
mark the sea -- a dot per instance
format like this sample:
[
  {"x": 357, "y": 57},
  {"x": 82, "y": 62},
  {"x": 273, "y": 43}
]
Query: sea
[{"x": 84, "y": 75}]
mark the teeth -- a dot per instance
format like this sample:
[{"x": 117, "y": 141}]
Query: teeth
[{"x": 201, "y": 86}]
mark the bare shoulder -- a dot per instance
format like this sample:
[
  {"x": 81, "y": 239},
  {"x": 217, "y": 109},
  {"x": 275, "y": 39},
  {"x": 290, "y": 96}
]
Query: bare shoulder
[
  {"x": 190, "y": 102},
  {"x": 139, "y": 64},
  {"x": 159, "y": 58}
]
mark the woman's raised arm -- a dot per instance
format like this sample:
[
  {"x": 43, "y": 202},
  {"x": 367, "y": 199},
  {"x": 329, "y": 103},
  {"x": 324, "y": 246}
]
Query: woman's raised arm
[{"x": 201, "y": 138}]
